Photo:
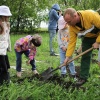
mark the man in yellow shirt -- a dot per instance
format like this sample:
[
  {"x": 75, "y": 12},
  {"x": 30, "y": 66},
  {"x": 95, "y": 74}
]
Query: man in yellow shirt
[{"x": 80, "y": 21}]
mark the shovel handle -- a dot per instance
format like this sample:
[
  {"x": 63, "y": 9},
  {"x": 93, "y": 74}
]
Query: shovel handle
[
  {"x": 76, "y": 57},
  {"x": 72, "y": 59}
]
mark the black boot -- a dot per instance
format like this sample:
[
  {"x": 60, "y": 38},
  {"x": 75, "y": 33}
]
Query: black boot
[{"x": 81, "y": 82}]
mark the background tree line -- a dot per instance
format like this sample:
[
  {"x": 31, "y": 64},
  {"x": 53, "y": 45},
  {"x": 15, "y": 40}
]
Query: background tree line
[{"x": 28, "y": 14}]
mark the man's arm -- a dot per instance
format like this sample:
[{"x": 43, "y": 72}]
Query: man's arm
[
  {"x": 71, "y": 45},
  {"x": 72, "y": 42}
]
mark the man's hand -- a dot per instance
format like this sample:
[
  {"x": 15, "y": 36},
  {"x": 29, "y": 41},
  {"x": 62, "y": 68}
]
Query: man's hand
[
  {"x": 66, "y": 60},
  {"x": 95, "y": 45},
  {"x": 64, "y": 48}
]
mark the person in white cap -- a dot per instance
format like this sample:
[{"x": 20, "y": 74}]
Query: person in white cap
[
  {"x": 5, "y": 44},
  {"x": 63, "y": 38}
]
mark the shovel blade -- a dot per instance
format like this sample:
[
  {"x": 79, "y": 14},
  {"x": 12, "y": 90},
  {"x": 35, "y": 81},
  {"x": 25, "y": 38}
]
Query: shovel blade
[{"x": 46, "y": 74}]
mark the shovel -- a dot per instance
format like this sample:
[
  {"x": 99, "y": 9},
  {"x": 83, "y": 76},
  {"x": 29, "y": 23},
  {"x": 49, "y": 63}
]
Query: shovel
[{"x": 48, "y": 73}]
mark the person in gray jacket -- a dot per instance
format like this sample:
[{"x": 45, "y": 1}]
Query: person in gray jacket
[{"x": 53, "y": 19}]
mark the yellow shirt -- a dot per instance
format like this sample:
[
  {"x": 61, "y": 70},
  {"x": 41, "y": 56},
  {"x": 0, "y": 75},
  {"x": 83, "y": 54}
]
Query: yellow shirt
[
  {"x": 98, "y": 39},
  {"x": 88, "y": 19}
]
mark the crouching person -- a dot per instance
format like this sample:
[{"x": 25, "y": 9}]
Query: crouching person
[
  {"x": 4, "y": 44},
  {"x": 28, "y": 46}
]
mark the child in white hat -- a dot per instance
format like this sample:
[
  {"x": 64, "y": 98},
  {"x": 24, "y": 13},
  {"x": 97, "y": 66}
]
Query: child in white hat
[
  {"x": 63, "y": 38},
  {"x": 4, "y": 43}
]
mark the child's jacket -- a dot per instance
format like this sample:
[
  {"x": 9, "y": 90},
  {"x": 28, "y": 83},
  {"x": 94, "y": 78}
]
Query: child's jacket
[
  {"x": 63, "y": 36},
  {"x": 5, "y": 39},
  {"x": 23, "y": 44}
]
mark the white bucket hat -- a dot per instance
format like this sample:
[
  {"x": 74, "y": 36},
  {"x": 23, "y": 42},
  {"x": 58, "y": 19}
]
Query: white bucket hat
[{"x": 5, "y": 11}]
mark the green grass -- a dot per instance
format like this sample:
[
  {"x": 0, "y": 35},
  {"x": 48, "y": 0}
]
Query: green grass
[{"x": 39, "y": 90}]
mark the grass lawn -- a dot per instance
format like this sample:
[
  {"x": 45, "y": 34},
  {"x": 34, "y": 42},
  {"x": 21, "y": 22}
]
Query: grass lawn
[{"x": 50, "y": 90}]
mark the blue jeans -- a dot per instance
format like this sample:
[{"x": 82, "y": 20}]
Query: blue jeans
[
  {"x": 71, "y": 64},
  {"x": 52, "y": 34},
  {"x": 19, "y": 60}
]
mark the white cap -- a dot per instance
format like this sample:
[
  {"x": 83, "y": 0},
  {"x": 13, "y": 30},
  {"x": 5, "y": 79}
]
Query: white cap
[
  {"x": 5, "y": 11},
  {"x": 61, "y": 23}
]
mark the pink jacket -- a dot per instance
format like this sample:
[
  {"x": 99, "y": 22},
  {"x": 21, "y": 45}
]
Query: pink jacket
[{"x": 23, "y": 44}]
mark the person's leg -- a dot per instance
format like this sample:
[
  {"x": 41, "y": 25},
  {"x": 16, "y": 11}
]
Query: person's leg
[
  {"x": 32, "y": 62},
  {"x": 7, "y": 75},
  {"x": 1, "y": 69},
  {"x": 7, "y": 62},
  {"x": 52, "y": 34},
  {"x": 4, "y": 74},
  {"x": 72, "y": 68},
  {"x": 18, "y": 61},
  {"x": 85, "y": 60},
  {"x": 3, "y": 65},
  {"x": 62, "y": 58}
]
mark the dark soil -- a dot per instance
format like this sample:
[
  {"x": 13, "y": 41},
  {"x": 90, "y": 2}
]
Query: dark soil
[{"x": 56, "y": 79}]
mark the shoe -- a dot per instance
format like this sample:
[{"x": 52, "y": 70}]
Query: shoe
[
  {"x": 35, "y": 72},
  {"x": 53, "y": 54},
  {"x": 63, "y": 75},
  {"x": 19, "y": 74},
  {"x": 81, "y": 82}
]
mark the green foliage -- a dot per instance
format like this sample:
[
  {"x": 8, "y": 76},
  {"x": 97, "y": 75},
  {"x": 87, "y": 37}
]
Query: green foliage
[
  {"x": 28, "y": 14},
  {"x": 40, "y": 90}
]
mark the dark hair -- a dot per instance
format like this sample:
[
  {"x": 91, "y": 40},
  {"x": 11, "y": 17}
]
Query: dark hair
[{"x": 37, "y": 43}]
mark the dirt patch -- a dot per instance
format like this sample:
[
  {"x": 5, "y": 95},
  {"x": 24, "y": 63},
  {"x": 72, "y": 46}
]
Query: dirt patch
[{"x": 57, "y": 80}]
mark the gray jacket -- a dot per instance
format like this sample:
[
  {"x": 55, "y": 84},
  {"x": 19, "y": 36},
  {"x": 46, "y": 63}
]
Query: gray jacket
[
  {"x": 63, "y": 37},
  {"x": 53, "y": 17}
]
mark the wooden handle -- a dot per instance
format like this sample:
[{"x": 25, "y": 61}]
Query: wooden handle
[{"x": 76, "y": 57}]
